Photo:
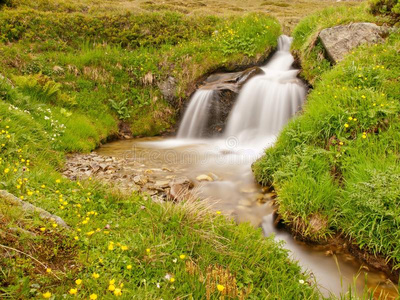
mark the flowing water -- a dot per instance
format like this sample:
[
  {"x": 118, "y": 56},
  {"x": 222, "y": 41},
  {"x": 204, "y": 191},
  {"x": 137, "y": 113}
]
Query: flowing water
[
  {"x": 264, "y": 106},
  {"x": 196, "y": 117}
]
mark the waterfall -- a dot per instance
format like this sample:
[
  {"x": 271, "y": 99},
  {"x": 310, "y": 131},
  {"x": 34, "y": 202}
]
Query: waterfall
[
  {"x": 267, "y": 102},
  {"x": 196, "y": 116},
  {"x": 264, "y": 105}
]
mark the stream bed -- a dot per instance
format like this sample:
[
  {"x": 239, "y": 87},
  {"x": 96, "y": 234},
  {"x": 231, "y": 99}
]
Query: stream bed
[{"x": 234, "y": 192}]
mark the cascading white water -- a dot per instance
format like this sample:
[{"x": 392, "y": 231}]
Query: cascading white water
[
  {"x": 196, "y": 116},
  {"x": 268, "y": 101}
]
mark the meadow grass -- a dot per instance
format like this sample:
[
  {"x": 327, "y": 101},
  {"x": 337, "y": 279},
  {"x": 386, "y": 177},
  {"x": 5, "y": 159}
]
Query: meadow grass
[
  {"x": 71, "y": 76},
  {"x": 337, "y": 162}
]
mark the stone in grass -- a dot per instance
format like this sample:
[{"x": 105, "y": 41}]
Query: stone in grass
[{"x": 340, "y": 40}]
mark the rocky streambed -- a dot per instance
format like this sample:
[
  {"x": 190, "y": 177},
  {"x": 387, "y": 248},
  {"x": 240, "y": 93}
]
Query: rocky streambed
[{"x": 161, "y": 184}]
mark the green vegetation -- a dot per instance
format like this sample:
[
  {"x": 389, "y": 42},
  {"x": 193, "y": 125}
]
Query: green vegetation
[
  {"x": 387, "y": 7},
  {"x": 102, "y": 60},
  {"x": 336, "y": 166},
  {"x": 70, "y": 76}
]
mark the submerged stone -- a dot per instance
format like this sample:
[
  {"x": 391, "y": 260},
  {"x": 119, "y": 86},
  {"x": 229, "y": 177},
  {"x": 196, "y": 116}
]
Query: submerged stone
[{"x": 204, "y": 177}]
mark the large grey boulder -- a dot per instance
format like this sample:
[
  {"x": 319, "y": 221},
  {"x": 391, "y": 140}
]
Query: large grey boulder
[{"x": 340, "y": 40}]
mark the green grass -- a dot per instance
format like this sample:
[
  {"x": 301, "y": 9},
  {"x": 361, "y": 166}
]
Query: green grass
[
  {"x": 71, "y": 75},
  {"x": 338, "y": 161}
]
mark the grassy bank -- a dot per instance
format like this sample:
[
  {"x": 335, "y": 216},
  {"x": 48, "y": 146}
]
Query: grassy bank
[
  {"x": 336, "y": 166},
  {"x": 71, "y": 76}
]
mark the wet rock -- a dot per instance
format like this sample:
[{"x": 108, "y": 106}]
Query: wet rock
[
  {"x": 132, "y": 177},
  {"x": 340, "y": 40},
  {"x": 182, "y": 181},
  {"x": 204, "y": 177},
  {"x": 226, "y": 87},
  {"x": 231, "y": 81},
  {"x": 141, "y": 179},
  {"x": 162, "y": 184},
  {"x": 213, "y": 176}
]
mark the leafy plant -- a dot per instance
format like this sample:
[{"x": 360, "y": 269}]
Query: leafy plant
[
  {"x": 42, "y": 88},
  {"x": 121, "y": 108}
]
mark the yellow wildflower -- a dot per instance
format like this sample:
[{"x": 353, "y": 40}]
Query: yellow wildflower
[
  {"x": 182, "y": 256},
  {"x": 346, "y": 125},
  {"x": 148, "y": 250},
  {"x": 95, "y": 275},
  {"x": 93, "y": 297},
  {"x": 46, "y": 295},
  {"x": 48, "y": 270},
  {"x": 73, "y": 291},
  {"x": 220, "y": 287},
  {"x": 78, "y": 281},
  {"x": 111, "y": 287},
  {"x": 117, "y": 292},
  {"x": 42, "y": 229},
  {"x": 129, "y": 267},
  {"x": 172, "y": 279}
]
